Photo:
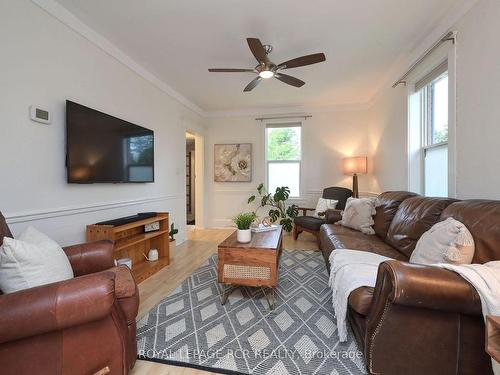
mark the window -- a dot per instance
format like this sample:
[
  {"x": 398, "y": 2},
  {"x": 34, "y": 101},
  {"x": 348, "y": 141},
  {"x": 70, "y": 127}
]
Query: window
[
  {"x": 283, "y": 156},
  {"x": 433, "y": 91}
]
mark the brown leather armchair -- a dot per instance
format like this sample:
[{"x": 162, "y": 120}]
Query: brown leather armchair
[{"x": 79, "y": 326}]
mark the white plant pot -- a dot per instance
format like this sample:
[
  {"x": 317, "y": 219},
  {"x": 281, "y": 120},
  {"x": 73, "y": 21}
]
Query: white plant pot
[{"x": 244, "y": 235}]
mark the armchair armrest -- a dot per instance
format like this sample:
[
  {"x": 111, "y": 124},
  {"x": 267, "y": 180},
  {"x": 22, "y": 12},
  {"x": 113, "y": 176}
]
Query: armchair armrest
[
  {"x": 425, "y": 286},
  {"x": 305, "y": 209},
  {"x": 56, "y": 306},
  {"x": 332, "y": 216},
  {"x": 90, "y": 257}
]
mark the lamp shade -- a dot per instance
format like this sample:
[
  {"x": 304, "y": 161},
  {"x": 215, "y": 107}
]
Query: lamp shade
[{"x": 354, "y": 165}]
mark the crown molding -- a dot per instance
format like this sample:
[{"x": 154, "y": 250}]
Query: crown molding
[
  {"x": 69, "y": 19},
  {"x": 421, "y": 44},
  {"x": 298, "y": 110}
]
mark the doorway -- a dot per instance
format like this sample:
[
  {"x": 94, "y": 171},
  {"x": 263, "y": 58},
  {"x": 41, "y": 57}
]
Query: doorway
[{"x": 190, "y": 179}]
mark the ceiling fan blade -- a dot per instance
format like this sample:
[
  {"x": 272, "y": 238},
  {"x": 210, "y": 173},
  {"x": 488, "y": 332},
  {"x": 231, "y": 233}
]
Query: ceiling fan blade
[
  {"x": 252, "y": 84},
  {"x": 289, "y": 80},
  {"x": 229, "y": 70},
  {"x": 258, "y": 50},
  {"x": 303, "y": 60}
]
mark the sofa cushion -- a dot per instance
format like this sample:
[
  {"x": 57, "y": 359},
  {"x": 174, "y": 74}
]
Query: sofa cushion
[
  {"x": 324, "y": 205},
  {"x": 360, "y": 300},
  {"x": 32, "y": 260},
  {"x": 309, "y": 222},
  {"x": 482, "y": 218},
  {"x": 358, "y": 214},
  {"x": 370, "y": 244},
  {"x": 414, "y": 217},
  {"x": 448, "y": 241},
  {"x": 387, "y": 206},
  {"x": 338, "y": 237}
]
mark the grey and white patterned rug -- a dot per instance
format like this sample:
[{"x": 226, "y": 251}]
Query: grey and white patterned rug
[{"x": 191, "y": 328}]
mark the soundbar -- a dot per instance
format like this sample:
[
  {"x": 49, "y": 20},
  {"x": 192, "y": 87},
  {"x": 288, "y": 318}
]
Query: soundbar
[{"x": 128, "y": 219}]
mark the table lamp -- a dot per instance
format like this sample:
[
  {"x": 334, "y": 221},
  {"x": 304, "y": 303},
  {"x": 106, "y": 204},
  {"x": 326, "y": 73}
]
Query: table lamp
[{"x": 352, "y": 166}]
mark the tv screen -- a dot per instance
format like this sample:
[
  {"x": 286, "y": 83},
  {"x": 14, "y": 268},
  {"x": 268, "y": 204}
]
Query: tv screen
[{"x": 103, "y": 148}]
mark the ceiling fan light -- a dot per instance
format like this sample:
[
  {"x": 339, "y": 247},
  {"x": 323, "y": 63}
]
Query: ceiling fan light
[{"x": 266, "y": 74}]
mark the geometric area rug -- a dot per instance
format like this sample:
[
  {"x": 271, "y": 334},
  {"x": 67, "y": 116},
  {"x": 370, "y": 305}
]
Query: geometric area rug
[{"x": 191, "y": 328}]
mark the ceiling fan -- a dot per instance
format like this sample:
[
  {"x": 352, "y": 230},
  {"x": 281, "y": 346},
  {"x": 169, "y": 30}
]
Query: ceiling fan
[{"x": 267, "y": 69}]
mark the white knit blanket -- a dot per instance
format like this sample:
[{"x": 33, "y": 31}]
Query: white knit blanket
[
  {"x": 486, "y": 280},
  {"x": 350, "y": 269}
]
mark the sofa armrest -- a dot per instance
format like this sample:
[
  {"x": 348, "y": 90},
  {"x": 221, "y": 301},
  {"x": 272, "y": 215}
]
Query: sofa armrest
[
  {"x": 429, "y": 317},
  {"x": 90, "y": 257},
  {"x": 424, "y": 286},
  {"x": 56, "y": 306},
  {"x": 332, "y": 216}
]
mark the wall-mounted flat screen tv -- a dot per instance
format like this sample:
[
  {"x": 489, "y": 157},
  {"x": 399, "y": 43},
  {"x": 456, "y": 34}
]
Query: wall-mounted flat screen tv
[{"x": 105, "y": 149}]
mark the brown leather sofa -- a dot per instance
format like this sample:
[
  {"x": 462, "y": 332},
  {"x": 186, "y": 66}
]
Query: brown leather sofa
[
  {"x": 419, "y": 319},
  {"x": 77, "y": 326}
]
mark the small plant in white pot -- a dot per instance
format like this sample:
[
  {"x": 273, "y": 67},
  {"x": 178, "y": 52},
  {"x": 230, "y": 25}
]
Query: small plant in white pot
[{"x": 243, "y": 222}]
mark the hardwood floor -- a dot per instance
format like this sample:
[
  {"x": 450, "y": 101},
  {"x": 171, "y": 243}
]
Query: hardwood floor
[{"x": 185, "y": 259}]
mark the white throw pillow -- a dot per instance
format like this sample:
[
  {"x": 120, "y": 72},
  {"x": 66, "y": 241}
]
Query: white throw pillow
[
  {"x": 358, "y": 214},
  {"x": 31, "y": 260},
  {"x": 323, "y": 205},
  {"x": 448, "y": 241}
]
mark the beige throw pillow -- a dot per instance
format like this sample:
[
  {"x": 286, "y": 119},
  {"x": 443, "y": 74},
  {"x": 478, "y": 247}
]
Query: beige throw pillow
[
  {"x": 323, "y": 205},
  {"x": 448, "y": 241},
  {"x": 358, "y": 214},
  {"x": 31, "y": 260}
]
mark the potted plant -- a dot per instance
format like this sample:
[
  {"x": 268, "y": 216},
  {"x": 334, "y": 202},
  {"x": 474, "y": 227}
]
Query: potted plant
[
  {"x": 279, "y": 210},
  {"x": 173, "y": 232},
  {"x": 243, "y": 222}
]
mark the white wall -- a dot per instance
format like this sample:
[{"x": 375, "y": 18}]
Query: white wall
[
  {"x": 327, "y": 138},
  {"x": 387, "y": 131},
  {"x": 43, "y": 62},
  {"x": 477, "y": 112}
]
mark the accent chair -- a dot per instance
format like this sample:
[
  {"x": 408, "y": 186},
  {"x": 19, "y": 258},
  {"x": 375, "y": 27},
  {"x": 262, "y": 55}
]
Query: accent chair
[{"x": 312, "y": 224}]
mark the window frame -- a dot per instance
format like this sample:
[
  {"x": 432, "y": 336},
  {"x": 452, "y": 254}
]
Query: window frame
[
  {"x": 292, "y": 124},
  {"x": 427, "y": 122}
]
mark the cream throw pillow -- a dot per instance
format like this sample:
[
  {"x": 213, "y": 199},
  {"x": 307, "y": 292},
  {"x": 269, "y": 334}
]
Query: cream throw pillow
[
  {"x": 448, "y": 241},
  {"x": 358, "y": 214},
  {"x": 31, "y": 260},
  {"x": 323, "y": 205}
]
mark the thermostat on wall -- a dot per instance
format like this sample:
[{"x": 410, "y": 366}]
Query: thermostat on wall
[{"x": 39, "y": 115}]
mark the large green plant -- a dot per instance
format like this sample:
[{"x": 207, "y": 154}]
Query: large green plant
[{"x": 278, "y": 212}]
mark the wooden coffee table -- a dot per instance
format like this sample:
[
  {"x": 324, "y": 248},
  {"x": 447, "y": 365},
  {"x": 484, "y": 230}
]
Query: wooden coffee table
[{"x": 252, "y": 264}]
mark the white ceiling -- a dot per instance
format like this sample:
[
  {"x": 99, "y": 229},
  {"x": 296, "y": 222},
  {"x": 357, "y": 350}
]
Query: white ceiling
[{"x": 179, "y": 40}]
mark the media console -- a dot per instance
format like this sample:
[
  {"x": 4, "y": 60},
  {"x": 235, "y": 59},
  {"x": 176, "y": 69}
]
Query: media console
[{"x": 131, "y": 241}]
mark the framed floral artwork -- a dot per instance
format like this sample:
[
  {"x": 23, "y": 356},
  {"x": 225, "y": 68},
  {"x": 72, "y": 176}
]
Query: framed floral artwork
[{"x": 233, "y": 162}]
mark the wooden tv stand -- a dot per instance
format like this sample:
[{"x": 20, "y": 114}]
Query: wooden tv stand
[{"x": 132, "y": 242}]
